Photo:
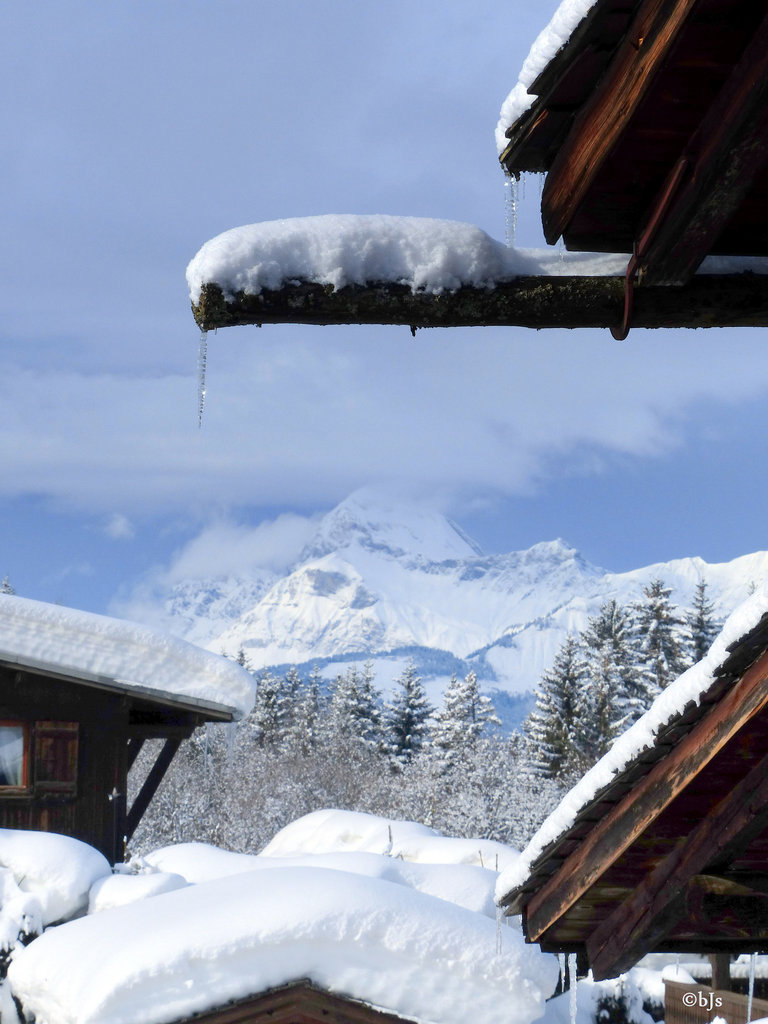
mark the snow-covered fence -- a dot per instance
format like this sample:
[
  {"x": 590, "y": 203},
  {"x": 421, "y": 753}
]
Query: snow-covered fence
[{"x": 699, "y": 1004}]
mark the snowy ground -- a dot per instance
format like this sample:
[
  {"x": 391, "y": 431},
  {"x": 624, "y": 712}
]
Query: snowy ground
[{"x": 387, "y": 912}]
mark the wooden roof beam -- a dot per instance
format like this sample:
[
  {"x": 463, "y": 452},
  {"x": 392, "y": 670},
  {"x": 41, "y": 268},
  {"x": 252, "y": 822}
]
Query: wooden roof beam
[
  {"x": 732, "y": 300},
  {"x": 598, "y": 127},
  {"x": 723, "y": 158},
  {"x": 663, "y": 896},
  {"x": 621, "y": 826}
]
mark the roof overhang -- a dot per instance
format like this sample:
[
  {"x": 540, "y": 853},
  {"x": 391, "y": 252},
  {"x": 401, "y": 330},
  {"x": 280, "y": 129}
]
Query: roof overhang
[
  {"x": 203, "y": 709},
  {"x": 652, "y": 126}
]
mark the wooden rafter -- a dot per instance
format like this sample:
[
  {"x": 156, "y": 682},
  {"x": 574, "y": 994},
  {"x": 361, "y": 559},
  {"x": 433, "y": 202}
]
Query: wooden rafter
[
  {"x": 723, "y": 158},
  {"x": 627, "y": 820},
  {"x": 733, "y": 300},
  {"x": 602, "y": 119},
  {"x": 663, "y": 896}
]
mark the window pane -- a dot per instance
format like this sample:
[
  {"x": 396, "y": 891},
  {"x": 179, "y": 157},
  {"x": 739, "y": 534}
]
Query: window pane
[{"x": 11, "y": 755}]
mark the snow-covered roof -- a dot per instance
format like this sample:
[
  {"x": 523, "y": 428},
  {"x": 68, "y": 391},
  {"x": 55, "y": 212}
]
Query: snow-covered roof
[
  {"x": 547, "y": 44},
  {"x": 685, "y": 691},
  {"x": 415, "y": 939},
  {"x": 119, "y": 655}
]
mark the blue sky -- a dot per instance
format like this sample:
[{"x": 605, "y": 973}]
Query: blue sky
[{"x": 136, "y": 131}]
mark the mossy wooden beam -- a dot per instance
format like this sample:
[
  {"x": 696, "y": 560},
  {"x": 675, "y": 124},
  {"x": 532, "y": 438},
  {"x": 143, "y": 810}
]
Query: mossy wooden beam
[{"x": 732, "y": 300}]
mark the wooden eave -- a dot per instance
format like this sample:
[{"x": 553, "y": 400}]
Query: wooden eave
[
  {"x": 624, "y": 103},
  {"x": 142, "y": 698},
  {"x": 653, "y": 860}
]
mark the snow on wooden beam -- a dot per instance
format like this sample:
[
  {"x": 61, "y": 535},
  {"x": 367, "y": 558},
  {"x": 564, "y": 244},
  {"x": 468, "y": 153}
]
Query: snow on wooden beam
[{"x": 728, "y": 300}]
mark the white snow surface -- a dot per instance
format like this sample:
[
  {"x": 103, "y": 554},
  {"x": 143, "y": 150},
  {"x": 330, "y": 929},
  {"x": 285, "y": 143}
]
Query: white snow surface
[
  {"x": 199, "y": 947},
  {"x": 423, "y": 253},
  {"x": 688, "y": 688},
  {"x": 131, "y": 655},
  {"x": 336, "y": 831},
  {"x": 120, "y": 889},
  {"x": 57, "y": 871},
  {"x": 546, "y": 45},
  {"x": 465, "y": 885},
  {"x": 341, "y": 249}
]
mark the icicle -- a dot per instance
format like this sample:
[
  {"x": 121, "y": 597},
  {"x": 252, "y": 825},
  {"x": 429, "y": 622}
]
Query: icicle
[
  {"x": 542, "y": 178},
  {"x": 499, "y": 922},
  {"x": 677, "y": 966},
  {"x": 202, "y": 359},
  {"x": 561, "y": 961},
  {"x": 573, "y": 983},
  {"x": 510, "y": 208},
  {"x": 752, "y": 959}
]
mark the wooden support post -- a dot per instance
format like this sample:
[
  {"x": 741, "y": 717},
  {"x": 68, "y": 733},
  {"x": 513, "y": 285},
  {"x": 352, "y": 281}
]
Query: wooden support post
[
  {"x": 152, "y": 781},
  {"x": 721, "y": 971}
]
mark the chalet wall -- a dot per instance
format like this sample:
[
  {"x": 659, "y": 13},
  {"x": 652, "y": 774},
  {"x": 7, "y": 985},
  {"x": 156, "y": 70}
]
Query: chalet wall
[{"x": 71, "y": 727}]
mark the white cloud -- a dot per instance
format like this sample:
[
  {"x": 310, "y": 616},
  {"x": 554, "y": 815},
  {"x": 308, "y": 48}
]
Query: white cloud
[
  {"x": 230, "y": 549},
  {"x": 119, "y": 527},
  {"x": 301, "y": 416}
]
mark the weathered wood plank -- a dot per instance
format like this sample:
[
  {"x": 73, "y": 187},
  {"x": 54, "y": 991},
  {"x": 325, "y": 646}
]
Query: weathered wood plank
[
  {"x": 660, "y": 899},
  {"x": 732, "y": 300},
  {"x": 652, "y": 794},
  {"x": 725, "y": 155},
  {"x": 603, "y": 118}
]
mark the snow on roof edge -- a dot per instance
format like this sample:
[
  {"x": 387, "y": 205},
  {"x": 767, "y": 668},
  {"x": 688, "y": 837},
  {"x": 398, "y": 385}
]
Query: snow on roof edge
[
  {"x": 552, "y": 38},
  {"x": 687, "y": 688},
  {"x": 118, "y": 654}
]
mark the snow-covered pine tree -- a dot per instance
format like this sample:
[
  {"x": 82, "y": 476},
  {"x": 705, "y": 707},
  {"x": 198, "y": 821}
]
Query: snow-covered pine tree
[
  {"x": 703, "y": 626},
  {"x": 265, "y": 716},
  {"x": 660, "y": 637},
  {"x": 459, "y": 723},
  {"x": 6, "y": 588},
  {"x": 618, "y": 695},
  {"x": 550, "y": 727},
  {"x": 407, "y": 717}
]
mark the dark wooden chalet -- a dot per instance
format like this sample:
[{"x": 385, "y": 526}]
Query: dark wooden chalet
[
  {"x": 69, "y": 734},
  {"x": 298, "y": 1003},
  {"x": 651, "y": 124},
  {"x": 668, "y": 850}
]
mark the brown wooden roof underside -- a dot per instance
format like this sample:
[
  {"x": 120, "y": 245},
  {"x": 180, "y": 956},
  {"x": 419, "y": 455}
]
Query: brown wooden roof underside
[
  {"x": 621, "y": 104},
  {"x": 673, "y": 856}
]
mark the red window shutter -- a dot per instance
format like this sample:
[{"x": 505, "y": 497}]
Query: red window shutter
[{"x": 56, "y": 748}]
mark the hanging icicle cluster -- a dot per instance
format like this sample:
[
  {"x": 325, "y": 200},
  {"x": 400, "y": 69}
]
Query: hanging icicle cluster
[
  {"x": 202, "y": 359},
  {"x": 511, "y": 190}
]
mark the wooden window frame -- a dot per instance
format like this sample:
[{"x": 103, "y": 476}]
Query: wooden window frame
[{"x": 24, "y": 788}]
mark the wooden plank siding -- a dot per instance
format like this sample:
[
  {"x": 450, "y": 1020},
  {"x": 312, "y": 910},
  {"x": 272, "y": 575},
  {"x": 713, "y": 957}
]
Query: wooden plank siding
[
  {"x": 77, "y": 761},
  {"x": 297, "y": 1003}
]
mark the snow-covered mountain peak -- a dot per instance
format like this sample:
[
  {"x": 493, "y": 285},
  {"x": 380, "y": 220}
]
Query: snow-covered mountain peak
[{"x": 390, "y": 528}]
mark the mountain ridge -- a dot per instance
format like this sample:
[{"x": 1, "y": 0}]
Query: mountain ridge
[{"x": 389, "y": 582}]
